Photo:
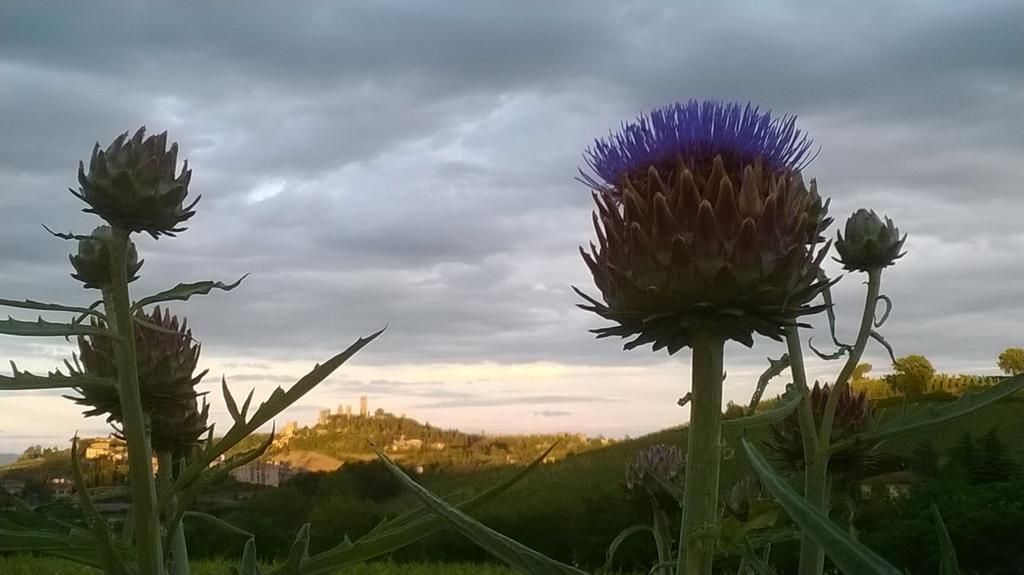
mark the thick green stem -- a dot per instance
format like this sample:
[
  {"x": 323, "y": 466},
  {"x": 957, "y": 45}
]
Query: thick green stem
[
  {"x": 816, "y": 477},
  {"x": 703, "y": 458},
  {"x": 175, "y": 530},
  {"x": 148, "y": 547},
  {"x": 811, "y": 554}
]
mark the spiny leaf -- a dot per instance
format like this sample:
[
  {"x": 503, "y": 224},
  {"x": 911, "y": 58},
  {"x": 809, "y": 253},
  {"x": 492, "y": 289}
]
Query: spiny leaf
[
  {"x": 43, "y": 328},
  {"x": 850, "y": 555},
  {"x": 512, "y": 552},
  {"x": 184, "y": 291},
  {"x": 69, "y": 235},
  {"x": 775, "y": 367},
  {"x": 40, "y": 306},
  {"x": 23, "y": 380}
]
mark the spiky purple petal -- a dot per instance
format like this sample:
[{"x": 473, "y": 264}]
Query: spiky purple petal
[{"x": 699, "y": 130}]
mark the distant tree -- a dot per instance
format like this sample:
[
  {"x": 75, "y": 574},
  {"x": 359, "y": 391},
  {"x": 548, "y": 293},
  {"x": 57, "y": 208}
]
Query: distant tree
[
  {"x": 732, "y": 411},
  {"x": 911, "y": 374},
  {"x": 1011, "y": 361},
  {"x": 860, "y": 372}
]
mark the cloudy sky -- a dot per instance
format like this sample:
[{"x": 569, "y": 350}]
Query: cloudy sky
[{"x": 412, "y": 164}]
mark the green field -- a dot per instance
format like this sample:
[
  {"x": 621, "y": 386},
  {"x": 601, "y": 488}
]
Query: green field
[{"x": 573, "y": 508}]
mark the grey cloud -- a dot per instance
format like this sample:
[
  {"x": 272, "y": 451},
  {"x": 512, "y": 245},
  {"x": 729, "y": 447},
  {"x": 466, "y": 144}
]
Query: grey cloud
[
  {"x": 550, "y": 413},
  {"x": 422, "y": 158}
]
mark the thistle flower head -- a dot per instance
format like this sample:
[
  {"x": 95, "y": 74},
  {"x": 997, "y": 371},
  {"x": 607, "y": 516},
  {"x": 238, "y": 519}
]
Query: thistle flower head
[
  {"x": 854, "y": 414},
  {"x": 92, "y": 263},
  {"x": 665, "y": 461},
  {"x": 869, "y": 243},
  {"x": 132, "y": 185},
  {"x": 745, "y": 492},
  {"x": 166, "y": 357},
  {"x": 697, "y": 132},
  {"x": 704, "y": 222}
]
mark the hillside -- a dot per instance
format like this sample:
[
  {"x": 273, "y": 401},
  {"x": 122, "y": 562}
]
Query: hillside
[{"x": 352, "y": 437}]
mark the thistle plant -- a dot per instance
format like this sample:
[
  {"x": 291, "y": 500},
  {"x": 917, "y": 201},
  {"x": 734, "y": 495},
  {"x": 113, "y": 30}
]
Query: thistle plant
[
  {"x": 652, "y": 478},
  {"x": 137, "y": 368},
  {"x": 706, "y": 232}
]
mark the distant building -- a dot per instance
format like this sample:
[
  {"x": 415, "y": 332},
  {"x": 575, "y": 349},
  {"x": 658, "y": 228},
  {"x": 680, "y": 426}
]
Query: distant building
[
  {"x": 13, "y": 487},
  {"x": 290, "y": 428},
  {"x": 895, "y": 484},
  {"x": 325, "y": 416},
  {"x": 267, "y": 473},
  {"x": 61, "y": 487},
  {"x": 348, "y": 410},
  {"x": 403, "y": 444},
  {"x": 109, "y": 447},
  {"x": 364, "y": 406}
]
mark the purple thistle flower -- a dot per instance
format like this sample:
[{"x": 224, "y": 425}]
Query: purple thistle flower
[{"x": 698, "y": 131}]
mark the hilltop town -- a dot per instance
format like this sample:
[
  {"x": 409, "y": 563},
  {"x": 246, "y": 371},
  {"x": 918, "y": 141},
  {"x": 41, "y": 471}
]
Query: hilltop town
[{"x": 336, "y": 437}]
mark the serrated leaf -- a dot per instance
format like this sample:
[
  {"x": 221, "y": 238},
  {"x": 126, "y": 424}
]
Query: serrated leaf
[
  {"x": 184, "y": 291},
  {"x": 850, "y": 555},
  {"x": 515, "y": 554},
  {"x": 23, "y": 380},
  {"x": 405, "y": 530},
  {"x": 786, "y": 405},
  {"x": 929, "y": 415},
  {"x": 40, "y": 306},
  {"x": 947, "y": 553},
  {"x": 43, "y": 328}
]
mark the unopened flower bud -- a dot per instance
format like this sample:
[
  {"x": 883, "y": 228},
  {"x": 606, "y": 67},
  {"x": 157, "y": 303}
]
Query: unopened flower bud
[
  {"x": 870, "y": 243},
  {"x": 92, "y": 263}
]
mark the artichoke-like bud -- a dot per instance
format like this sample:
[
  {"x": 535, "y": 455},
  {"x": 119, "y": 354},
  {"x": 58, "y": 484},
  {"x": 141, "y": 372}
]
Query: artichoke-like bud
[
  {"x": 743, "y": 495},
  {"x": 92, "y": 264},
  {"x": 854, "y": 414},
  {"x": 132, "y": 185},
  {"x": 869, "y": 242},
  {"x": 704, "y": 222},
  {"x": 665, "y": 461},
  {"x": 167, "y": 357}
]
